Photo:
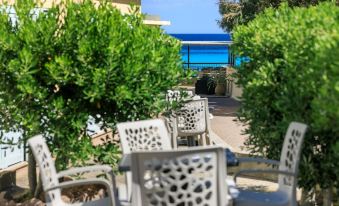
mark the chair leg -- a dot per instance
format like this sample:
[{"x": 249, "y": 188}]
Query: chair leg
[
  {"x": 200, "y": 141},
  {"x": 207, "y": 139},
  {"x": 175, "y": 141},
  {"x": 203, "y": 139}
]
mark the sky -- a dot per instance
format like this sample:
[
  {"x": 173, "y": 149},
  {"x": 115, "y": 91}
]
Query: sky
[{"x": 186, "y": 16}]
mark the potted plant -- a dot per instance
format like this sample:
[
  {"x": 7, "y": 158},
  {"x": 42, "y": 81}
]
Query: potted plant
[
  {"x": 218, "y": 78},
  {"x": 203, "y": 85}
]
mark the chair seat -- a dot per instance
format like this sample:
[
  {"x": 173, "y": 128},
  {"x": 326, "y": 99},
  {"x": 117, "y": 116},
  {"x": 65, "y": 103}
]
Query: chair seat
[
  {"x": 98, "y": 202},
  {"x": 255, "y": 198}
]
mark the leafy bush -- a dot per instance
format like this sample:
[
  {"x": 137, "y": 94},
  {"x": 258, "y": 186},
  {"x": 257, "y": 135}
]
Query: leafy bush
[
  {"x": 78, "y": 60},
  {"x": 293, "y": 75},
  {"x": 241, "y": 12}
]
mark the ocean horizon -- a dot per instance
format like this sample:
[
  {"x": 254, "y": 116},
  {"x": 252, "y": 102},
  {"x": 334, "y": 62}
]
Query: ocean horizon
[{"x": 204, "y": 54}]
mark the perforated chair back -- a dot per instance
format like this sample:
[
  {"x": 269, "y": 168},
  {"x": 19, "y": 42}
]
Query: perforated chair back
[
  {"x": 48, "y": 172},
  {"x": 144, "y": 135},
  {"x": 290, "y": 157},
  {"x": 192, "y": 118},
  {"x": 176, "y": 95},
  {"x": 180, "y": 177}
]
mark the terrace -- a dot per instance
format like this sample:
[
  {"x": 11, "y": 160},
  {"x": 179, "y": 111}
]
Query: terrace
[
  {"x": 15, "y": 184},
  {"x": 86, "y": 89}
]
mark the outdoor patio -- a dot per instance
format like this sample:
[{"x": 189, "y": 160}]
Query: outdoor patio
[
  {"x": 224, "y": 124},
  {"x": 101, "y": 105}
]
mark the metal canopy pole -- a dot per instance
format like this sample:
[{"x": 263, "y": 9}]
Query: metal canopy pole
[{"x": 188, "y": 56}]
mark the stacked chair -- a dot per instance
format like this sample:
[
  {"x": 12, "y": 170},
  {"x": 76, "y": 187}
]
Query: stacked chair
[
  {"x": 192, "y": 121},
  {"x": 171, "y": 118}
]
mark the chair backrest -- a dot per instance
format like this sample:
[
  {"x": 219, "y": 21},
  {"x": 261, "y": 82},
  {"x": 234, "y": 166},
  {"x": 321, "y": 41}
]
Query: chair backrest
[
  {"x": 289, "y": 159},
  {"x": 171, "y": 121},
  {"x": 144, "y": 135},
  {"x": 179, "y": 177},
  {"x": 192, "y": 117},
  {"x": 46, "y": 164},
  {"x": 140, "y": 136},
  {"x": 176, "y": 95}
]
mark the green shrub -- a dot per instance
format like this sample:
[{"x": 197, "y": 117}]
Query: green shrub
[
  {"x": 293, "y": 75},
  {"x": 75, "y": 61}
]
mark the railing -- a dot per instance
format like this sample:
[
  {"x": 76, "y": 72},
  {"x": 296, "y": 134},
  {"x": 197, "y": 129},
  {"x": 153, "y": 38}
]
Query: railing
[
  {"x": 201, "y": 66},
  {"x": 201, "y": 46}
]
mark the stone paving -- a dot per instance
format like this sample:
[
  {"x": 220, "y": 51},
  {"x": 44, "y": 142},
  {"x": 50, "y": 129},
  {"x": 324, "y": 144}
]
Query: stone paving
[
  {"x": 222, "y": 106},
  {"x": 225, "y": 124}
]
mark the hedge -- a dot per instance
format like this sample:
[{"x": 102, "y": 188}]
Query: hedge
[
  {"x": 76, "y": 60},
  {"x": 293, "y": 75}
]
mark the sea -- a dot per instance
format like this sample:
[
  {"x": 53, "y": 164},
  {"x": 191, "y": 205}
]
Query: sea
[{"x": 205, "y": 55}]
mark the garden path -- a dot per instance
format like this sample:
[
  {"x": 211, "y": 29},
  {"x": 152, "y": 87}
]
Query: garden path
[{"x": 225, "y": 123}]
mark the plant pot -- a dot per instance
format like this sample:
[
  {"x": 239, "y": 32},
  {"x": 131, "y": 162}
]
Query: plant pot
[
  {"x": 202, "y": 86},
  {"x": 220, "y": 89},
  {"x": 211, "y": 89}
]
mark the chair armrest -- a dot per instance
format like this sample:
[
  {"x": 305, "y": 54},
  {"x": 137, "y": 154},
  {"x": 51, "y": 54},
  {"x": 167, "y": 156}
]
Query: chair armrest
[
  {"x": 258, "y": 160},
  {"x": 272, "y": 171},
  {"x": 76, "y": 183},
  {"x": 88, "y": 169}
]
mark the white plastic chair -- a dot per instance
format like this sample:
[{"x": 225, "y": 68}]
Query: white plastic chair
[
  {"x": 50, "y": 178},
  {"x": 171, "y": 121},
  {"x": 287, "y": 173},
  {"x": 140, "y": 136},
  {"x": 179, "y": 177},
  {"x": 143, "y": 135},
  {"x": 192, "y": 120}
]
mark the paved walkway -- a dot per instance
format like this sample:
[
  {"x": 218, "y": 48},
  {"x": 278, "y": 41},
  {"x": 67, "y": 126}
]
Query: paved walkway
[
  {"x": 225, "y": 123},
  {"x": 222, "y": 106}
]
